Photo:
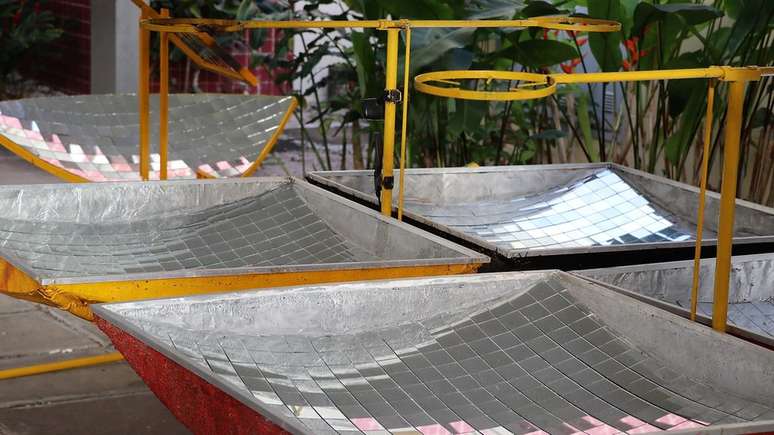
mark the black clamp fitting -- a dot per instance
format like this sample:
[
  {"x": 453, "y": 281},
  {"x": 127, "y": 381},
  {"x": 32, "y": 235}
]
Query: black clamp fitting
[
  {"x": 388, "y": 183},
  {"x": 373, "y": 108},
  {"x": 394, "y": 96}
]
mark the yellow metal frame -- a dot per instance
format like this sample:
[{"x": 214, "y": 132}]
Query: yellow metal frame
[
  {"x": 243, "y": 74},
  {"x": 55, "y": 170},
  {"x": 76, "y": 297},
  {"x": 393, "y": 29},
  {"x": 69, "y": 364},
  {"x": 267, "y": 148}
]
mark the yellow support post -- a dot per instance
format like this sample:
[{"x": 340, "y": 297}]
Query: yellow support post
[
  {"x": 143, "y": 89},
  {"x": 702, "y": 197},
  {"x": 404, "y": 127},
  {"x": 389, "y": 121},
  {"x": 727, "y": 203},
  {"x": 163, "y": 100}
]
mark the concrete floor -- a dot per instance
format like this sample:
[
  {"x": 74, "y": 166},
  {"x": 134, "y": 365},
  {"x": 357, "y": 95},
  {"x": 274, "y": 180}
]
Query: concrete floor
[{"x": 106, "y": 399}]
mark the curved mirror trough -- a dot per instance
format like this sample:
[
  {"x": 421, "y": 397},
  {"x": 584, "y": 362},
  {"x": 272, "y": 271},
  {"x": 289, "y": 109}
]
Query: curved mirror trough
[
  {"x": 751, "y": 290},
  {"x": 554, "y": 215},
  {"x": 508, "y": 353},
  {"x": 96, "y": 137},
  {"x": 71, "y": 245}
]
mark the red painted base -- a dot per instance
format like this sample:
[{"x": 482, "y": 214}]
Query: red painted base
[{"x": 200, "y": 406}]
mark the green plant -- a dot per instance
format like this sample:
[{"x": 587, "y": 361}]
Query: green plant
[
  {"x": 655, "y": 126},
  {"x": 25, "y": 30}
]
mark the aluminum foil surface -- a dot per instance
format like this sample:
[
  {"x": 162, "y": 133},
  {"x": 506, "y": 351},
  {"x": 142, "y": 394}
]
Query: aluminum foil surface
[
  {"x": 539, "y": 210},
  {"x": 534, "y": 352},
  {"x": 127, "y": 231},
  {"x": 96, "y": 137},
  {"x": 751, "y": 289}
]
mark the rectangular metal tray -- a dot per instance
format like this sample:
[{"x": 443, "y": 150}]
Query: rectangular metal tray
[
  {"x": 492, "y": 354},
  {"x": 546, "y": 216},
  {"x": 71, "y": 245},
  {"x": 751, "y": 292}
]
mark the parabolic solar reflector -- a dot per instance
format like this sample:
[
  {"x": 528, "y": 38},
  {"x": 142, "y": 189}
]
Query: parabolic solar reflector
[
  {"x": 70, "y": 245},
  {"x": 96, "y": 137},
  {"x": 751, "y": 290},
  {"x": 544, "y": 211},
  {"x": 526, "y": 352}
]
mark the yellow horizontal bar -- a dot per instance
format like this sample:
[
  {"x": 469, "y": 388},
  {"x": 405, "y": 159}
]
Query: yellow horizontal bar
[
  {"x": 633, "y": 76},
  {"x": 60, "y": 365},
  {"x": 193, "y": 25}
]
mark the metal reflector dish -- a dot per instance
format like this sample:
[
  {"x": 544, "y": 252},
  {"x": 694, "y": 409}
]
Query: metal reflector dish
[
  {"x": 558, "y": 210},
  {"x": 96, "y": 137},
  {"x": 70, "y": 245},
  {"x": 527, "y": 352},
  {"x": 751, "y": 290}
]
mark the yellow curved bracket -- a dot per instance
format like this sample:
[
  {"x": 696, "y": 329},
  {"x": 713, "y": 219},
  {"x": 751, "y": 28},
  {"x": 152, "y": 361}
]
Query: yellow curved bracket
[
  {"x": 545, "y": 84},
  {"x": 267, "y": 149},
  {"x": 25, "y": 154}
]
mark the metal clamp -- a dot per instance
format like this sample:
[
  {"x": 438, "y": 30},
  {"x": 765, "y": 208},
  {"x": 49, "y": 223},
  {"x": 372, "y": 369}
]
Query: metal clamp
[{"x": 394, "y": 96}]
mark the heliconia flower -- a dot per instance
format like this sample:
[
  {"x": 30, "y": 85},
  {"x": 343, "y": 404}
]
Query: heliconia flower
[
  {"x": 626, "y": 65},
  {"x": 582, "y": 41},
  {"x": 17, "y": 17},
  {"x": 568, "y": 68},
  {"x": 545, "y": 33}
]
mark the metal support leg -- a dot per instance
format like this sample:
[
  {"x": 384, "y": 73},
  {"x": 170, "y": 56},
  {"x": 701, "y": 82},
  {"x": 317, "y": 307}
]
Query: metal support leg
[
  {"x": 702, "y": 197},
  {"x": 163, "y": 100},
  {"x": 727, "y": 203},
  {"x": 389, "y": 121},
  {"x": 143, "y": 89}
]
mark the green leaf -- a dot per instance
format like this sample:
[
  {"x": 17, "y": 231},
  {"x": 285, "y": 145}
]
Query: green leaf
[
  {"x": 691, "y": 14},
  {"x": 552, "y": 134},
  {"x": 606, "y": 47},
  {"x": 539, "y": 8},
  {"x": 430, "y": 45},
  {"x": 467, "y": 117},
  {"x": 365, "y": 63},
  {"x": 582, "y": 109},
  {"x": 487, "y": 9},
  {"x": 247, "y": 9},
  {"x": 539, "y": 53},
  {"x": 682, "y": 91}
]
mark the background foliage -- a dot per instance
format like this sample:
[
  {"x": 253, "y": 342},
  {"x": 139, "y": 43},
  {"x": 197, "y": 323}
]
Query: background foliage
[
  {"x": 25, "y": 29},
  {"x": 653, "y": 126}
]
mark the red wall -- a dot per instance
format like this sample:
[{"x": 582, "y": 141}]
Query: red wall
[{"x": 70, "y": 69}]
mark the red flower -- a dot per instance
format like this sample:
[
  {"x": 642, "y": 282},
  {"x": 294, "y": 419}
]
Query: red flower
[
  {"x": 17, "y": 17},
  {"x": 582, "y": 41},
  {"x": 633, "y": 52},
  {"x": 569, "y": 68}
]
